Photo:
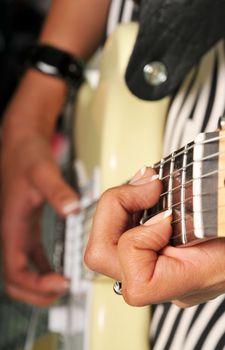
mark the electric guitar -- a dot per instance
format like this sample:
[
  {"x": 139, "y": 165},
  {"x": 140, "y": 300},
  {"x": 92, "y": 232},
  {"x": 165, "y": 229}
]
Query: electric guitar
[
  {"x": 96, "y": 318},
  {"x": 115, "y": 134},
  {"x": 193, "y": 179}
]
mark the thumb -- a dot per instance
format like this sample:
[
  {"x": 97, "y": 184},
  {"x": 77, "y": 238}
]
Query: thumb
[
  {"x": 48, "y": 180},
  {"x": 139, "y": 251}
]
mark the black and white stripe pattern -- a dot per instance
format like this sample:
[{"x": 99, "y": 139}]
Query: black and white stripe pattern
[
  {"x": 199, "y": 102},
  {"x": 196, "y": 107},
  {"x": 199, "y": 327},
  {"x": 121, "y": 11}
]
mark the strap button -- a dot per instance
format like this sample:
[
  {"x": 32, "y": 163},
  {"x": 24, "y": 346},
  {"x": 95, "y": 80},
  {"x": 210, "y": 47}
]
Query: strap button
[{"x": 155, "y": 73}]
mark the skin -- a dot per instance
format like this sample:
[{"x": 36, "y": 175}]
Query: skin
[
  {"x": 139, "y": 256},
  {"x": 150, "y": 270},
  {"x": 29, "y": 173}
]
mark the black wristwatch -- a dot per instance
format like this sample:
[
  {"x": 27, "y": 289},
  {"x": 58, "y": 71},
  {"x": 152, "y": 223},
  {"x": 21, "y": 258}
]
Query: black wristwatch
[{"x": 58, "y": 63}]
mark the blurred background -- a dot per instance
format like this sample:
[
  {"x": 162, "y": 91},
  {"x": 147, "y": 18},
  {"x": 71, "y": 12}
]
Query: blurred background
[{"x": 20, "y": 23}]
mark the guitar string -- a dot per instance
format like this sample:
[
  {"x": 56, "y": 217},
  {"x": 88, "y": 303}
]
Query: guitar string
[
  {"x": 191, "y": 163},
  {"x": 165, "y": 194},
  {"x": 211, "y": 227},
  {"x": 88, "y": 211},
  {"x": 189, "y": 213},
  {"x": 164, "y": 161},
  {"x": 174, "y": 189},
  {"x": 189, "y": 147},
  {"x": 178, "y": 204},
  {"x": 179, "y": 220},
  {"x": 172, "y": 157},
  {"x": 174, "y": 172},
  {"x": 192, "y": 180},
  {"x": 171, "y": 174},
  {"x": 90, "y": 275},
  {"x": 176, "y": 236},
  {"x": 199, "y": 238},
  {"x": 87, "y": 274},
  {"x": 92, "y": 204}
]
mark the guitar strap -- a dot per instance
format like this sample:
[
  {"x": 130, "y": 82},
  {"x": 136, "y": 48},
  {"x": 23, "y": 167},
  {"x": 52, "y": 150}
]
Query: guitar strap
[{"x": 177, "y": 34}]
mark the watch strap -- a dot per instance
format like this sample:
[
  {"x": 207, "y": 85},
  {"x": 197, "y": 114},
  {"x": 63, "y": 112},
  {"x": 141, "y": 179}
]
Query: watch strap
[{"x": 58, "y": 63}]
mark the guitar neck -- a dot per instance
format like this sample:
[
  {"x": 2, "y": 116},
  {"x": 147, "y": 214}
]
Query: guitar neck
[{"x": 193, "y": 188}]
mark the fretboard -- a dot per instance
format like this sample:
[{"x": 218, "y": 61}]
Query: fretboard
[{"x": 190, "y": 178}]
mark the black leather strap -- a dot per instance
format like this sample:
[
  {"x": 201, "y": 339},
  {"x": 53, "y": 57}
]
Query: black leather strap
[
  {"x": 176, "y": 34},
  {"x": 58, "y": 63}
]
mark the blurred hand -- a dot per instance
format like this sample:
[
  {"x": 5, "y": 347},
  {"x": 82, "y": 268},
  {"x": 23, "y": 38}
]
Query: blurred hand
[
  {"x": 30, "y": 176},
  {"x": 29, "y": 173},
  {"x": 139, "y": 256}
]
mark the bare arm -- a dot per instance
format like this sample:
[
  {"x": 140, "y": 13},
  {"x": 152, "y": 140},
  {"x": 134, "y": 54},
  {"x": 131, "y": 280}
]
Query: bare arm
[
  {"x": 30, "y": 175},
  {"x": 74, "y": 26}
]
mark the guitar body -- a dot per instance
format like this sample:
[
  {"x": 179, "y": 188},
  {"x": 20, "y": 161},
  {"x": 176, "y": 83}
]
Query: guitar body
[
  {"x": 114, "y": 130},
  {"x": 116, "y": 134}
]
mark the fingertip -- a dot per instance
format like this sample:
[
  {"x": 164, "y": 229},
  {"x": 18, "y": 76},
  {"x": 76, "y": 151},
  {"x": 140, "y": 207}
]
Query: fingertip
[
  {"x": 70, "y": 206},
  {"x": 159, "y": 217},
  {"x": 53, "y": 187},
  {"x": 55, "y": 283},
  {"x": 32, "y": 298},
  {"x": 66, "y": 203}
]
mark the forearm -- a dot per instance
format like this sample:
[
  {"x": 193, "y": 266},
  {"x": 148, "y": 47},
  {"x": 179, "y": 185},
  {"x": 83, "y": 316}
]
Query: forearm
[
  {"x": 34, "y": 107},
  {"x": 74, "y": 26},
  {"x": 81, "y": 29}
]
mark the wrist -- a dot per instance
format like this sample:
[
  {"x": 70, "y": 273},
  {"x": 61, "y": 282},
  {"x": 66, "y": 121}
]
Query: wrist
[
  {"x": 36, "y": 105},
  {"x": 56, "y": 62}
]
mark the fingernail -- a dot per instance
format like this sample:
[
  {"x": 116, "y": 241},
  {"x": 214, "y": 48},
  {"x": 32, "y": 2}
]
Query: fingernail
[
  {"x": 144, "y": 180},
  {"x": 63, "y": 287},
  {"x": 138, "y": 175},
  {"x": 70, "y": 207},
  {"x": 159, "y": 217}
]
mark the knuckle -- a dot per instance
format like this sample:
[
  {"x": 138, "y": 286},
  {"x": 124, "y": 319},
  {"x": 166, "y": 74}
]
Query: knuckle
[
  {"x": 108, "y": 196},
  {"x": 128, "y": 240},
  {"x": 132, "y": 295},
  {"x": 125, "y": 243},
  {"x": 92, "y": 258}
]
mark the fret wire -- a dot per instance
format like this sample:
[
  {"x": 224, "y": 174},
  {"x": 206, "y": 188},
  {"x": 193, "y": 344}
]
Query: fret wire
[
  {"x": 161, "y": 169},
  {"x": 90, "y": 206},
  {"x": 212, "y": 140},
  {"x": 177, "y": 221},
  {"x": 191, "y": 212},
  {"x": 190, "y": 231},
  {"x": 188, "y": 199},
  {"x": 177, "y": 170},
  {"x": 191, "y": 180},
  {"x": 183, "y": 208},
  {"x": 192, "y": 163},
  {"x": 170, "y": 185}
]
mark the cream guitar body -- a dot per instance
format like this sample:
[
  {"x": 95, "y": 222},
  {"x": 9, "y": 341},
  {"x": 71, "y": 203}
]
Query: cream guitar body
[
  {"x": 114, "y": 130},
  {"x": 115, "y": 135}
]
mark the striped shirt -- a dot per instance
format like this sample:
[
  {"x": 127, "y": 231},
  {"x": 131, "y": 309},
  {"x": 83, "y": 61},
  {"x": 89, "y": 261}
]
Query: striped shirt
[{"x": 195, "y": 108}]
